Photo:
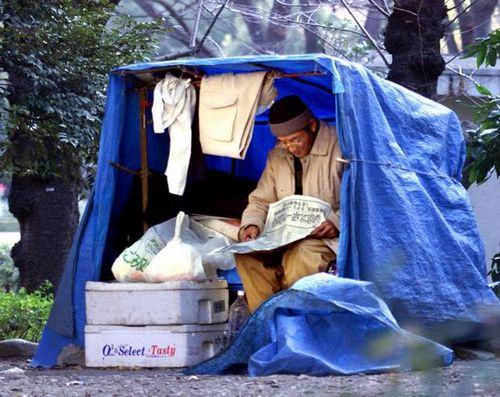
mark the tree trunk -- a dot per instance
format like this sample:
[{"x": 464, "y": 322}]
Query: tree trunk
[
  {"x": 312, "y": 45},
  {"x": 375, "y": 19},
  {"x": 47, "y": 211},
  {"x": 255, "y": 28},
  {"x": 311, "y": 42},
  {"x": 481, "y": 13},
  {"x": 451, "y": 44},
  {"x": 412, "y": 37},
  {"x": 276, "y": 34},
  {"x": 466, "y": 24}
]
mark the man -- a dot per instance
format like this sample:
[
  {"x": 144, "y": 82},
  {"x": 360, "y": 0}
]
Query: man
[{"x": 303, "y": 162}]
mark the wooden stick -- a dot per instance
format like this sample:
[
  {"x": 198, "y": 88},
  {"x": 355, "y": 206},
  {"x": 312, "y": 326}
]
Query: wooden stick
[
  {"x": 277, "y": 75},
  {"x": 197, "y": 73},
  {"x": 144, "y": 154},
  {"x": 124, "y": 169}
]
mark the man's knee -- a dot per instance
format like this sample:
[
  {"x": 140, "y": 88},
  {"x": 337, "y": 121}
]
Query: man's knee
[
  {"x": 310, "y": 246},
  {"x": 306, "y": 258}
]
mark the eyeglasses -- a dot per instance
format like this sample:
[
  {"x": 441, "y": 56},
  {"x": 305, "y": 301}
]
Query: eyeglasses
[{"x": 293, "y": 143}]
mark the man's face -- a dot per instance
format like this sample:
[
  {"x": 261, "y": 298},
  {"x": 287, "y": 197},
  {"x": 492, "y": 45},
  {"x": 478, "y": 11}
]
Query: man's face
[{"x": 300, "y": 142}]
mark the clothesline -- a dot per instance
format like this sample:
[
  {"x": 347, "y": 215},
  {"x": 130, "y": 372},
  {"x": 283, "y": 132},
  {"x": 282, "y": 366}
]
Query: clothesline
[
  {"x": 196, "y": 81},
  {"x": 277, "y": 75}
]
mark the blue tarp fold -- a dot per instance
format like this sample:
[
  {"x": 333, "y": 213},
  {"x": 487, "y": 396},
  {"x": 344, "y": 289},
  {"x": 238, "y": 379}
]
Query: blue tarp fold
[{"x": 325, "y": 325}]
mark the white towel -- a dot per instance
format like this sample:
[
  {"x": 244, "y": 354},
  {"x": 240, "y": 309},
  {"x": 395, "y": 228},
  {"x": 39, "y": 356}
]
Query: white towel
[{"x": 173, "y": 107}]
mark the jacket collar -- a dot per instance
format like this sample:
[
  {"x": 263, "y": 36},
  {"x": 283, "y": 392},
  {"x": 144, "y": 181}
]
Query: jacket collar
[{"x": 320, "y": 145}]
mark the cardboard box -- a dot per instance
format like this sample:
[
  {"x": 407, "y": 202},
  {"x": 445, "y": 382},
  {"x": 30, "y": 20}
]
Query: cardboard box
[
  {"x": 152, "y": 346},
  {"x": 174, "y": 302}
]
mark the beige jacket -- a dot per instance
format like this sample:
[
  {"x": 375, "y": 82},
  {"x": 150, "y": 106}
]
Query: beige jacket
[
  {"x": 227, "y": 108},
  {"x": 321, "y": 178}
]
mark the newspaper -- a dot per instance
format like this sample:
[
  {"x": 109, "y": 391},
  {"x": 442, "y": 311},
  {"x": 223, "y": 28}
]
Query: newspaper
[{"x": 288, "y": 220}]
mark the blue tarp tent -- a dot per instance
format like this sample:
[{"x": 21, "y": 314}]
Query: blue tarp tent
[{"x": 407, "y": 224}]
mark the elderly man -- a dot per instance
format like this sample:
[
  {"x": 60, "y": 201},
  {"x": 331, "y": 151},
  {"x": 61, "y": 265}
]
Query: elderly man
[{"x": 303, "y": 162}]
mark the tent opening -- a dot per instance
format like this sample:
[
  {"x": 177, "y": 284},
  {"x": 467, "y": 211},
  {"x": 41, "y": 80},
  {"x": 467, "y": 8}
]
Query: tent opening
[{"x": 217, "y": 186}]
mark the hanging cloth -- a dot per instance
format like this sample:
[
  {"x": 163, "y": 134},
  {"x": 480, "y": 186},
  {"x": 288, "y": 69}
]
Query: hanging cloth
[
  {"x": 174, "y": 103},
  {"x": 228, "y": 105}
]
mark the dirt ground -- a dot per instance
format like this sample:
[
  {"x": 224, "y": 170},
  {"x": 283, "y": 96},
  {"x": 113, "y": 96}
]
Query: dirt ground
[{"x": 463, "y": 378}]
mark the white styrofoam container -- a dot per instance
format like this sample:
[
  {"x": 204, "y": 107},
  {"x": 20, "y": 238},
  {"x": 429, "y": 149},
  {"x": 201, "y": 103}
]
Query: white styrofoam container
[
  {"x": 152, "y": 346},
  {"x": 173, "y": 302}
]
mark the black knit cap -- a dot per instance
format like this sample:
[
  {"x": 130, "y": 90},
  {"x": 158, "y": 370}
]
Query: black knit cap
[{"x": 288, "y": 115}]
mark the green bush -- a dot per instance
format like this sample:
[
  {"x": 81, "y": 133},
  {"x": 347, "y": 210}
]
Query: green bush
[
  {"x": 9, "y": 275},
  {"x": 23, "y": 315}
]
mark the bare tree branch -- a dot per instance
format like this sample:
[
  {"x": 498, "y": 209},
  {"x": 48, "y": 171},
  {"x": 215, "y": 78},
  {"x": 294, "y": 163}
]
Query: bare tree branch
[
  {"x": 343, "y": 54},
  {"x": 194, "y": 32},
  {"x": 214, "y": 19},
  {"x": 285, "y": 21},
  {"x": 382, "y": 11},
  {"x": 181, "y": 37},
  {"x": 405, "y": 10},
  {"x": 232, "y": 27},
  {"x": 365, "y": 32},
  {"x": 456, "y": 5},
  {"x": 151, "y": 11},
  {"x": 458, "y": 72},
  {"x": 387, "y": 6},
  {"x": 463, "y": 11}
]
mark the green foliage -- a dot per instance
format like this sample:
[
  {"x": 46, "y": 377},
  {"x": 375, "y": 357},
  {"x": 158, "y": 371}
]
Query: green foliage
[
  {"x": 486, "y": 50},
  {"x": 483, "y": 149},
  {"x": 9, "y": 275},
  {"x": 23, "y": 315},
  {"x": 57, "y": 55}
]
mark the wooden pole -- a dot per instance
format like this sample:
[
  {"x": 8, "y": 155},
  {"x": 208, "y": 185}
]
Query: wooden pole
[{"x": 144, "y": 154}]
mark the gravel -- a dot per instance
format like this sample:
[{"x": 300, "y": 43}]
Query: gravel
[{"x": 463, "y": 378}]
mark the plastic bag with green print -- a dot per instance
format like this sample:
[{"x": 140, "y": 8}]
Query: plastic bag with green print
[{"x": 132, "y": 262}]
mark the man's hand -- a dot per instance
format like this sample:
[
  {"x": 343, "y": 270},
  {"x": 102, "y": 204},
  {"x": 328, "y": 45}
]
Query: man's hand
[
  {"x": 326, "y": 230},
  {"x": 249, "y": 233}
]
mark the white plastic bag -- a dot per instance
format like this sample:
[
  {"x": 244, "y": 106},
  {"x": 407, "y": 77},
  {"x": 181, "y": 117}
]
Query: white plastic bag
[
  {"x": 177, "y": 261},
  {"x": 211, "y": 239},
  {"x": 133, "y": 261},
  {"x": 130, "y": 265}
]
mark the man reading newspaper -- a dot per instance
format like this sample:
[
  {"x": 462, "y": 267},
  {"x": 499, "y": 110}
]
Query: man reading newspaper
[{"x": 302, "y": 163}]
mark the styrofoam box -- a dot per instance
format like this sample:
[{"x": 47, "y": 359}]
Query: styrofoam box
[
  {"x": 152, "y": 346},
  {"x": 173, "y": 302}
]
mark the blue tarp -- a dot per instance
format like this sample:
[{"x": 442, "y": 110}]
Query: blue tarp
[
  {"x": 325, "y": 325},
  {"x": 407, "y": 224}
]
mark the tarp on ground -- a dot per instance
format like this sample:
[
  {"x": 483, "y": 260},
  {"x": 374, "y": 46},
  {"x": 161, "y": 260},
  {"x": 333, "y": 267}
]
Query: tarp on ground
[
  {"x": 325, "y": 325},
  {"x": 407, "y": 224}
]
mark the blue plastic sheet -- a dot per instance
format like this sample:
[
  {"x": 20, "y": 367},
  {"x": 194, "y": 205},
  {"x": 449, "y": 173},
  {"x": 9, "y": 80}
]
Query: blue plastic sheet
[
  {"x": 325, "y": 325},
  {"x": 407, "y": 224}
]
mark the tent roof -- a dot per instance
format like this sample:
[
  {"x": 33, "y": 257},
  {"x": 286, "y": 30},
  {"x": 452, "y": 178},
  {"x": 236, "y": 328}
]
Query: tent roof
[{"x": 284, "y": 63}]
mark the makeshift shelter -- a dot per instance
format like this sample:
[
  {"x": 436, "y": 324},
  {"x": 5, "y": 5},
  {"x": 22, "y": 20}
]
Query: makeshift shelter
[{"x": 407, "y": 224}]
